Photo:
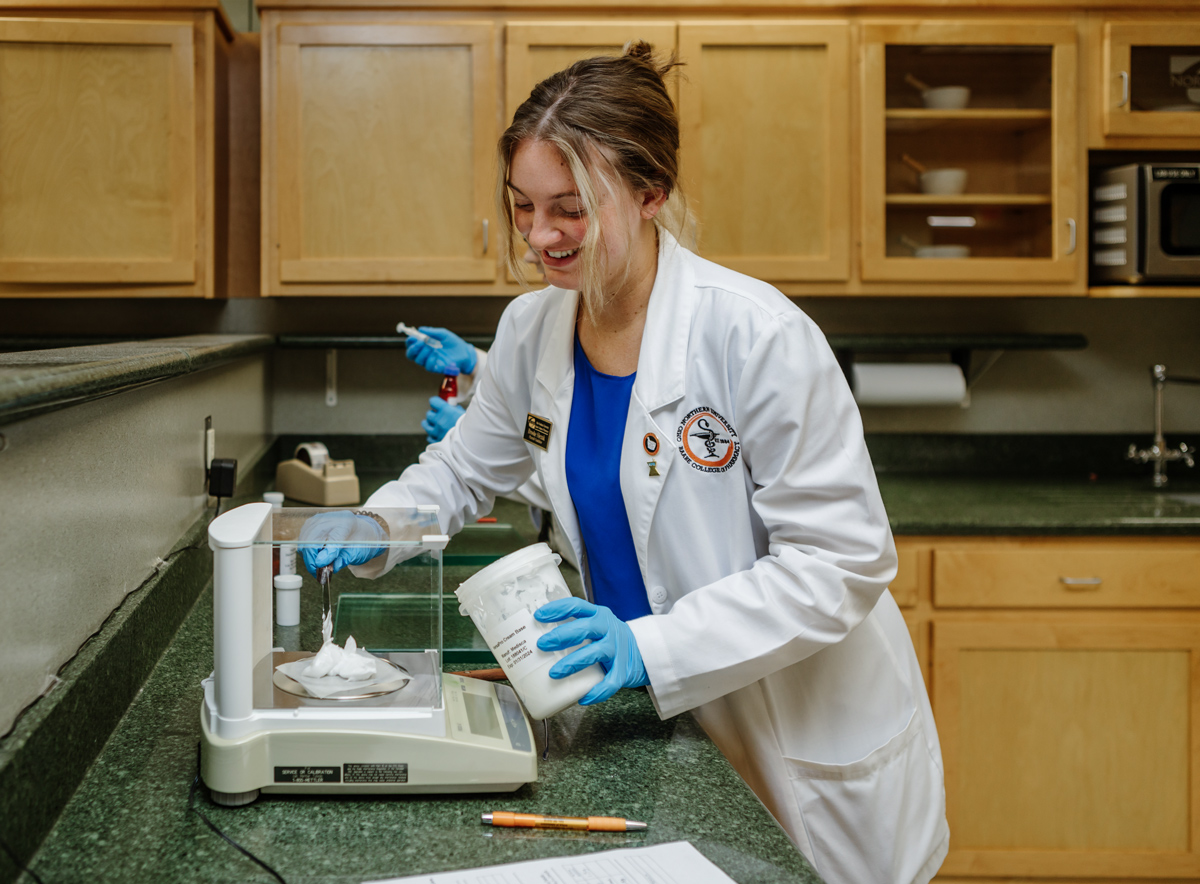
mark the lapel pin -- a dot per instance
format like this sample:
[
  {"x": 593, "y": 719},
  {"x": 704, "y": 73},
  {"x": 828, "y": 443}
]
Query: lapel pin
[{"x": 653, "y": 468}]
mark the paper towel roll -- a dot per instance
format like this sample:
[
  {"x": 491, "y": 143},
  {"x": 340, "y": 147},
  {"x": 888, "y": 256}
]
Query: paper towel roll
[{"x": 899, "y": 383}]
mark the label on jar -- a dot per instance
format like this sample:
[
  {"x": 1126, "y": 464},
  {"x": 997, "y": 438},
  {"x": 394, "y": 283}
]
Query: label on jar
[{"x": 514, "y": 642}]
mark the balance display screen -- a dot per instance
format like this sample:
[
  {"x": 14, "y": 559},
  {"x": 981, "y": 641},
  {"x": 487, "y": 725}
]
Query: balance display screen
[{"x": 481, "y": 716}]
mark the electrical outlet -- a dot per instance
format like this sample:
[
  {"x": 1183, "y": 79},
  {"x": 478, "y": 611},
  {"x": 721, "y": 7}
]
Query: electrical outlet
[{"x": 210, "y": 446}]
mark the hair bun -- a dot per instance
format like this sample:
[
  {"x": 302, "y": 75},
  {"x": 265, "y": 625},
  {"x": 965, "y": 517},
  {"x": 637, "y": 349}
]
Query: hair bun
[{"x": 642, "y": 51}]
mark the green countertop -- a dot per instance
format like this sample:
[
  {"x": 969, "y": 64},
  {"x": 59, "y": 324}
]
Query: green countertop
[
  {"x": 129, "y": 821},
  {"x": 930, "y": 505}
]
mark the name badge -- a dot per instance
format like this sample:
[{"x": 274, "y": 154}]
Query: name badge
[{"x": 537, "y": 431}]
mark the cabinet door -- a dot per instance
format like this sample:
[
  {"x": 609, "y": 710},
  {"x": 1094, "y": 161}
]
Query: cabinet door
[
  {"x": 975, "y": 184},
  {"x": 98, "y": 150},
  {"x": 535, "y": 50},
  {"x": 379, "y": 158},
  {"x": 765, "y": 132},
  {"x": 1070, "y": 745},
  {"x": 1152, "y": 78}
]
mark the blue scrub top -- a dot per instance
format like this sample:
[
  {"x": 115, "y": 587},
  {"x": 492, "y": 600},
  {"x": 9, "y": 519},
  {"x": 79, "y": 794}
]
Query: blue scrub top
[{"x": 594, "y": 436}]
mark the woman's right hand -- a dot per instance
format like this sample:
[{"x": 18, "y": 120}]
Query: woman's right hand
[{"x": 340, "y": 539}]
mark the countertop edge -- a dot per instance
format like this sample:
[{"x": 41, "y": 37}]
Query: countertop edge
[{"x": 35, "y": 382}]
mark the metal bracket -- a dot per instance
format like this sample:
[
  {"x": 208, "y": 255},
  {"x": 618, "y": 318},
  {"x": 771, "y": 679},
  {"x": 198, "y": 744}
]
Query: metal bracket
[{"x": 331, "y": 398}]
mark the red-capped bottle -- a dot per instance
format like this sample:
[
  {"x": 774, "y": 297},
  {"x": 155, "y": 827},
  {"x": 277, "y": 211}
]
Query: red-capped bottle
[{"x": 449, "y": 389}]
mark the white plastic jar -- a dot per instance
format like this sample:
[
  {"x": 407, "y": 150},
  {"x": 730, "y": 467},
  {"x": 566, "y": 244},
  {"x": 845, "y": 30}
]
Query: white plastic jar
[{"x": 500, "y": 600}]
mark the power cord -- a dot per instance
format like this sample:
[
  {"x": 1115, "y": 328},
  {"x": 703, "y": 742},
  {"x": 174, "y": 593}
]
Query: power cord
[
  {"x": 24, "y": 868},
  {"x": 192, "y": 807}
]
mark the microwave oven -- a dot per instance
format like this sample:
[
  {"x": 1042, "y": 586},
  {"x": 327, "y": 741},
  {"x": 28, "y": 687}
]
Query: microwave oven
[{"x": 1146, "y": 224}]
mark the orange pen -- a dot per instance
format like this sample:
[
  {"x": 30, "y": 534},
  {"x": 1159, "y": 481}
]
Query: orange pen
[{"x": 580, "y": 823}]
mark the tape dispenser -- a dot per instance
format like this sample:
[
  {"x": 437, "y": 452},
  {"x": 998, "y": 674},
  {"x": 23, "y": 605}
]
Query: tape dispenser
[{"x": 312, "y": 476}]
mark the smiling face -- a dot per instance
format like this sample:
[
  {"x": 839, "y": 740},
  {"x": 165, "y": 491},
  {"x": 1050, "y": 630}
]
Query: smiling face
[
  {"x": 548, "y": 210},
  {"x": 550, "y": 213}
]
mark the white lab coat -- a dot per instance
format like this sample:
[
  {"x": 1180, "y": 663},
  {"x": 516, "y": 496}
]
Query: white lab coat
[
  {"x": 531, "y": 494},
  {"x": 766, "y": 555}
]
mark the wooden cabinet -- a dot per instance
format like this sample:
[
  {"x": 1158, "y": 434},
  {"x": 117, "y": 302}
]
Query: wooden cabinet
[
  {"x": 765, "y": 145},
  {"x": 977, "y": 183},
  {"x": 378, "y": 155},
  {"x": 1069, "y": 745},
  {"x": 1151, "y": 78},
  {"x": 1065, "y": 683},
  {"x": 800, "y": 133},
  {"x": 110, "y": 152}
]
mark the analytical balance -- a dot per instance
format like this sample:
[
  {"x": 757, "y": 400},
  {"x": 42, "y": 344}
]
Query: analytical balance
[{"x": 424, "y": 732}]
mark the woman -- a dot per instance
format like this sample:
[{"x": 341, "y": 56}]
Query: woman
[{"x": 702, "y": 451}]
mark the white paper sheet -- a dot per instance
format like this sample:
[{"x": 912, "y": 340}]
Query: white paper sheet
[{"x": 677, "y": 862}]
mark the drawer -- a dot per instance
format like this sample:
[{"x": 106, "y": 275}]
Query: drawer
[{"x": 1092, "y": 573}]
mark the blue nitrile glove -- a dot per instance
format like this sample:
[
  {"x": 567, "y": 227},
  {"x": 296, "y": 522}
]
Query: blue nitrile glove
[
  {"x": 454, "y": 351},
  {"x": 440, "y": 418},
  {"x": 330, "y": 534},
  {"x": 613, "y": 646}
]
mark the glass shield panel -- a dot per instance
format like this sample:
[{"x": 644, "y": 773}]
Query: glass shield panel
[{"x": 385, "y": 589}]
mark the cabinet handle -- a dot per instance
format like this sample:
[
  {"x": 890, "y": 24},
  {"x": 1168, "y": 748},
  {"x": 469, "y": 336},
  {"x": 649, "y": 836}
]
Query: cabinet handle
[
  {"x": 1071, "y": 241},
  {"x": 1080, "y": 584},
  {"x": 1124, "y": 75},
  {"x": 485, "y": 236}
]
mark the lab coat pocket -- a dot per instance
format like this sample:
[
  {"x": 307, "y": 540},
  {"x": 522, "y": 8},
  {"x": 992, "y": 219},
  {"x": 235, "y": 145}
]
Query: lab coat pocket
[{"x": 878, "y": 820}]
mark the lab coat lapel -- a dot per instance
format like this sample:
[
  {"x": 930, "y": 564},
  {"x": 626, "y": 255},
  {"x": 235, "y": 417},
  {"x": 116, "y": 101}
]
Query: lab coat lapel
[
  {"x": 662, "y": 363},
  {"x": 551, "y": 398}
]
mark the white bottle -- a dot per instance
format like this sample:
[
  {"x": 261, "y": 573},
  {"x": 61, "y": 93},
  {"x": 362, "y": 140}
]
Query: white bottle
[
  {"x": 501, "y": 599},
  {"x": 287, "y": 600}
]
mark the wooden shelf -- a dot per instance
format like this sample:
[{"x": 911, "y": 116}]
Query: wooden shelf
[
  {"x": 999, "y": 119},
  {"x": 968, "y": 199}
]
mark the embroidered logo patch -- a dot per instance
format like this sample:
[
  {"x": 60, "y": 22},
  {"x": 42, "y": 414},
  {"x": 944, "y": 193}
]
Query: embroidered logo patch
[
  {"x": 707, "y": 441},
  {"x": 537, "y": 431}
]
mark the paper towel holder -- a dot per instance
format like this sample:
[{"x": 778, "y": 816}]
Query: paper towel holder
[{"x": 967, "y": 351}]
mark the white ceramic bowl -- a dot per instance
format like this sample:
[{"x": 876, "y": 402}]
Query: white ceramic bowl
[
  {"x": 942, "y": 252},
  {"x": 944, "y": 182},
  {"x": 946, "y": 97}
]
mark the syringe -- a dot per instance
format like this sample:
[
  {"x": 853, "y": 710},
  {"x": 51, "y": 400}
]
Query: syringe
[{"x": 402, "y": 329}]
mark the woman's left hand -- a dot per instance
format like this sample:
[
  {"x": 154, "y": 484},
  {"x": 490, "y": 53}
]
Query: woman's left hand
[{"x": 612, "y": 646}]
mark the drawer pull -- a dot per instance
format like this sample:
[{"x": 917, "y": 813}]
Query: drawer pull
[{"x": 1079, "y": 584}]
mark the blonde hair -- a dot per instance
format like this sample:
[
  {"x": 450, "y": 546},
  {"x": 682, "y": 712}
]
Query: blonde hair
[{"x": 614, "y": 123}]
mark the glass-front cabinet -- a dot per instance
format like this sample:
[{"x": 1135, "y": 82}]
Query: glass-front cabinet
[
  {"x": 1152, "y": 77},
  {"x": 971, "y": 162}
]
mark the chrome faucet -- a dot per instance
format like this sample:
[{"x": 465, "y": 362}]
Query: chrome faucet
[{"x": 1159, "y": 452}]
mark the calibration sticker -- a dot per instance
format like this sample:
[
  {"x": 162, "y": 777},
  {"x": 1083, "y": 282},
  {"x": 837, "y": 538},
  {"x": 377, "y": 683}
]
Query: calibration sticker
[
  {"x": 308, "y": 775},
  {"x": 707, "y": 441},
  {"x": 347, "y": 773}
]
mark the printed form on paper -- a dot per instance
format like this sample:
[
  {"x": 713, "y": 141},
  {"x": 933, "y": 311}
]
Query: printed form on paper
[{"x": 673, "y": 863}]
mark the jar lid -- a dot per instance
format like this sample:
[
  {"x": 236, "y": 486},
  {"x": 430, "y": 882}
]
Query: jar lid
[
  {"x": 274, "y": 498},
  {"x": 288, "y": 581},
  {"x": 512, "y": 565}
]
